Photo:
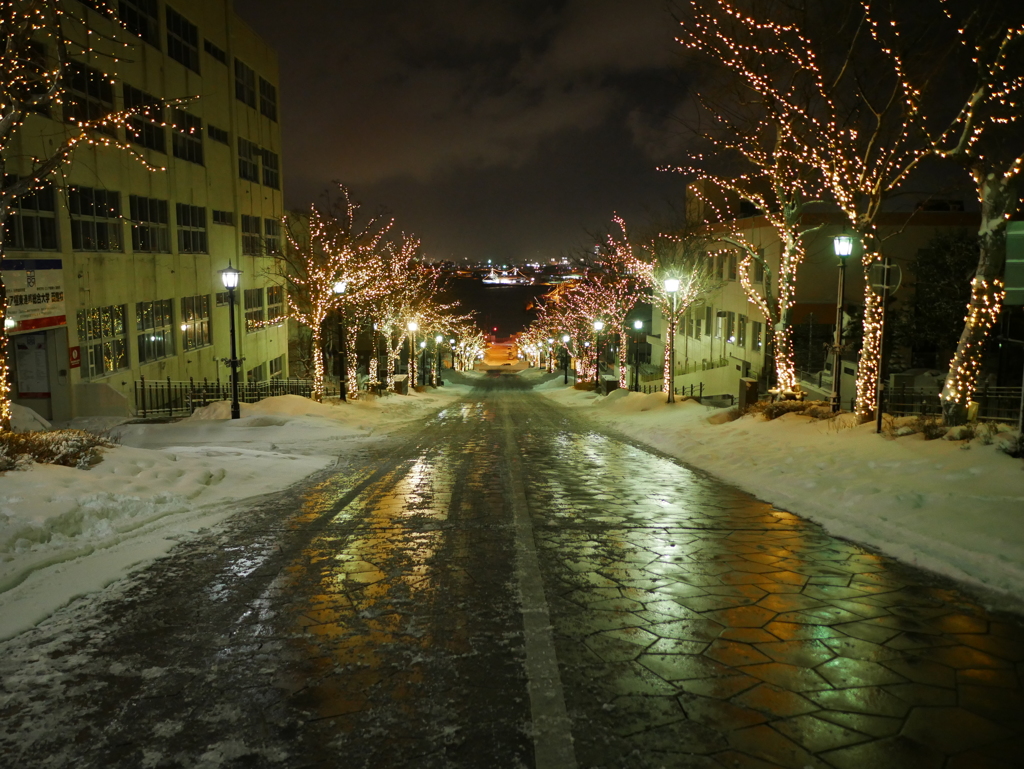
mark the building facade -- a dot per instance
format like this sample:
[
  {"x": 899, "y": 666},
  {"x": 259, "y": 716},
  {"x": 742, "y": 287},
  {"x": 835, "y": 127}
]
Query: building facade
[{"x": 113, "y": 269}]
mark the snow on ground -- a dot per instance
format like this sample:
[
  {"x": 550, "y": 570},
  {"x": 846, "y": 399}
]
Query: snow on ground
[
  {"x": 66, "y": 532},
  {"x": 953, "y": 507}
]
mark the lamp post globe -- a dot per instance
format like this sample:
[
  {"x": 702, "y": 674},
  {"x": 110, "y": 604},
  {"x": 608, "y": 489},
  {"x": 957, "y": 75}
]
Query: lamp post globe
[{"x": 229, "y": 277}]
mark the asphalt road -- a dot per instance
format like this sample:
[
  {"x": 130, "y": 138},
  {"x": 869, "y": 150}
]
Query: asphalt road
[{"x": 511, "y": 588}]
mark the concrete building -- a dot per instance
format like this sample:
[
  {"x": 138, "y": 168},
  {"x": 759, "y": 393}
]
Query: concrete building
[
  {"x": 725, "y": 339},
  {"x": 113, "y": 270}
]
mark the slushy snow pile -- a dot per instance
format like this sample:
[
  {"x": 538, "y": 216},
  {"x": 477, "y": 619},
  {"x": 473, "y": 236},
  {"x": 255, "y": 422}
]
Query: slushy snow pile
[
  {"x": 953, "y": 507},
  {"x": 66, "y": 532}
]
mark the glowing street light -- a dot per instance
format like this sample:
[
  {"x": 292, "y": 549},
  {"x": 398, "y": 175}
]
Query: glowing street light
[
  {"x": 339, "y": 289},
  {"x": 843, "y": 247},
  {"x": 230, "y": 277}
]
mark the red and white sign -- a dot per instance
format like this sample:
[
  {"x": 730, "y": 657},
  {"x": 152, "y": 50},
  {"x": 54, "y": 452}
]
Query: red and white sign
[{"x": 74, "y": 357}]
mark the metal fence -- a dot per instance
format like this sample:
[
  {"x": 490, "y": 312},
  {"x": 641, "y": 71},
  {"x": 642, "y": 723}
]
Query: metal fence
[
  {"x": 164, "y": 397},
  {"x": 995, "y": 404}
]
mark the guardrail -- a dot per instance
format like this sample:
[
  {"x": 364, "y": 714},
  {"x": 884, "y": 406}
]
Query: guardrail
[
  {"x": 164, "y": 397},
  {"x": 995, "y": 404}
]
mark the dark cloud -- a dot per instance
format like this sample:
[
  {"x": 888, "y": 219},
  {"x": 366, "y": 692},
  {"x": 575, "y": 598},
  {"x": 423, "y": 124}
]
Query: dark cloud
[{"x": 541, "y": 117}]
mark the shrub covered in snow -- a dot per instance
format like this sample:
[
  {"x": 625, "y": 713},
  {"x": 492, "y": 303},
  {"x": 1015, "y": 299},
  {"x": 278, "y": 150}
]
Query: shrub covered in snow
[
  {"x": 71, "y": 448},
  {"x": 815, "y": 409}
]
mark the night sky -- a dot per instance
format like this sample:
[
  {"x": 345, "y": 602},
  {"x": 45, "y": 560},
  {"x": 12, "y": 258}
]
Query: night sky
[{"x": 502, "y": 130}]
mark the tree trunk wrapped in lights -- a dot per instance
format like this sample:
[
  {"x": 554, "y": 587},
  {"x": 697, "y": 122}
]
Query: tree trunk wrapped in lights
[{"x": 985, "y": 138}]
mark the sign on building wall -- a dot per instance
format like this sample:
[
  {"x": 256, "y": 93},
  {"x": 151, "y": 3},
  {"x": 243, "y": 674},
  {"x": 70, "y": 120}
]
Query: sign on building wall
[
  {"x": 30, "y": 361},
  {"x": 35, "y": 293}
]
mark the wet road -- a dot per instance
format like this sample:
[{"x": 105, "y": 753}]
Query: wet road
[{"x": 510, "y": 588}]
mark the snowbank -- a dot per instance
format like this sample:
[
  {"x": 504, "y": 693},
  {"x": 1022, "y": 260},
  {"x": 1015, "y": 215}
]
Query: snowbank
[
  {"x": 953, "y": 507},
  {"x": 66, "y": 532}
]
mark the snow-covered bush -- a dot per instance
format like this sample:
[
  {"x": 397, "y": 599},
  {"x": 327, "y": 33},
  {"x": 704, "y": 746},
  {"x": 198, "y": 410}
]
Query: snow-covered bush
[
  {"x": 71, "y": 448},
  {"x": 815, "y": 409},
  {"x": 1012, "y": 444}
]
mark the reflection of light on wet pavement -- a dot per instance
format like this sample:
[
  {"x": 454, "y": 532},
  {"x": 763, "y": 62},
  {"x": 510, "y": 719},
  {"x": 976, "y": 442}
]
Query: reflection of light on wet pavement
[{"x": 385, "y": 618}]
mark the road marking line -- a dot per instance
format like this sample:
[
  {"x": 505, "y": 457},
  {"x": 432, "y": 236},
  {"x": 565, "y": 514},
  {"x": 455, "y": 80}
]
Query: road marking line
[{"x": 552, "y": 729}]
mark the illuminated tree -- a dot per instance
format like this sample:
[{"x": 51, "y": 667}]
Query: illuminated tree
[
  {"x": 325, "y": 247},
  {"x": 985, "y": 138},
  {"x": 834, "y": 86},
  {"x": 40, "y": 41},
  {"x": 681, "y": 257}
]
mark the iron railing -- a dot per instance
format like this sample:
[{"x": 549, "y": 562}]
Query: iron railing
[
  {"x": 164, "y": 397},
  {"x": 995, "y": 404}
]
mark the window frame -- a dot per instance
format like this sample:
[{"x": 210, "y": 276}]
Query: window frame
[
  {"x": 154, "y": 340},
  {"x": 187, "y": 137},
  {"x": 97, "y": 345},
  {"x": 150, "y": 235},
  {"x": 245, "y": 83},
  {"x": 146, "y": 128},
  {"x": 182, "y": 39},
  {"x": 109, "y": 223},
  {"x": 191, "y": 228},
  {"x": 195, "y": 322}
]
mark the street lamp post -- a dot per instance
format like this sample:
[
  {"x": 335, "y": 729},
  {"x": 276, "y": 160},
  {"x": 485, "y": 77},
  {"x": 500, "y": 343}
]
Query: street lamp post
[
  {"x": 843, "y": 247},
  {"x": 638, "y": 326},
  {"x": 339, "y": 289},
  {"x": 598, "y": 327},
  {"x": 437, "y": 349},
  {"x": 565, "y": 359},
  {"x": 672, "y": 287},
  {"x": 229, "y": 278},
  {"x": 423, "y": 363},
  {"x": 413, "y": 327}
]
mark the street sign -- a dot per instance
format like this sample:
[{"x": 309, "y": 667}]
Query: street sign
[{"x": 885, "y": 277}]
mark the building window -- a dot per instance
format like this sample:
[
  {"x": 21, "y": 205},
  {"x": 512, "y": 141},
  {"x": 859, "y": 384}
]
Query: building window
[
  {"x": 272, "y": 230},
  {"x": 268, "y": 100},
  {"x": 697, "y": 329},
  {"x": 224, "y": 217},
  {"x": 741, "y": 332},
  {"x": 146, "y": 127},
  {"x": 154, "y": 324},
  {"x": 248, "y": 163},
  {"x": 253, "y": 309},
  {"x": 719, "y": 324},
  {"x": 256, "y": 374},
  {"x": 756, "y": 342},
  {"x": 709, "y": 314},
  {"x": 277, "y": 367},
  {"x": 187, "y": 137},
  {"x": 732, "y": 266},
  {"x": 218, "y": 134},
  {"x": 89, "y": 96},
  {"x": 215, "y": 52},
  {"x": 31, "y": 224},
  {"x": 140, "y": 18},
  {"x": 182, "y": 40},
  {"x": 271, "y": 170},
  {"x": 759, "y": 267},
  {"x": 719, "y": 262},
  {"x": 730, "y": 327},
  {"x": 191, "y": 229},
  {"x": 101, "y": 334},
  {"x": 150, "y": 225},
  {"x": 252, "y": 240},
  {"x": 275, "y": 303},
  {"x": 95, "y": 219},
  {"x": 245, "y": 84},
  {"x": 689, "y": 324},
  {"x": 195, "y": 322}
]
